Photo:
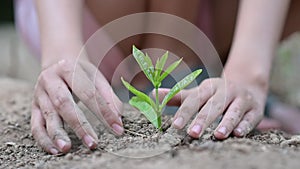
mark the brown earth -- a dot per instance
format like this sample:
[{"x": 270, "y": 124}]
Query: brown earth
[{"x": 140, "y": 147}]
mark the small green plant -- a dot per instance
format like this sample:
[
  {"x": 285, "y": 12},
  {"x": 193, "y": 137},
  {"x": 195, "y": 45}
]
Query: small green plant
[{"x": 153, "y": 109}]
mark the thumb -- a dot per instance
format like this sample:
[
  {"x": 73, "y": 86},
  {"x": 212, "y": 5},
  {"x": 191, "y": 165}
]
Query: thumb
[{"x": 175, "y": 101}]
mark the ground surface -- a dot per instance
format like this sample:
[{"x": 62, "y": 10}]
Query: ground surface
[{"x": 140, "y": 147}]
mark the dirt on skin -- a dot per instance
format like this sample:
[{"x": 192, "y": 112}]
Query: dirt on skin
[{"x": 142, "y": 146}]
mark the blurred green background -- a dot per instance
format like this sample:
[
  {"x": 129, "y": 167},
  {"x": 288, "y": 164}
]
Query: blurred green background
[{"x": 6, "y": 11}]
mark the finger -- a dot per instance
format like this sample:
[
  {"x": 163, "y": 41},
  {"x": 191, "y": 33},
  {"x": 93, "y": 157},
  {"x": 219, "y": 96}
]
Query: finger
[
  {"x": 54, "y": 124},
  {"x": 103, "y": 88},
  {"x": 39, "y": 132},
  {"x": 248, "y": 123},
  {"x": 112, "y": 100},
  {"x": 63, "y": 103},
  {"x": 213, "y": 108},
  {"x": 206, "y": 86},
  {"x": 84, "y": 88},
  {"x": 267, "y": 124},
  {"x": 190, "y": 106},
  {"x": 108, "y": 103},
  {"x": 176, "y": 100},
  {"x": 232, "y": 117}
]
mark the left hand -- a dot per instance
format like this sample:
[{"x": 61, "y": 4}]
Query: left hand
[{"x": 242, "y": 107}]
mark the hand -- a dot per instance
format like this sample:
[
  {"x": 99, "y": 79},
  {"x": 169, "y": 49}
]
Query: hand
[
  {"x": 53, "y": 105},
  {"x": 241, "y": 106}
]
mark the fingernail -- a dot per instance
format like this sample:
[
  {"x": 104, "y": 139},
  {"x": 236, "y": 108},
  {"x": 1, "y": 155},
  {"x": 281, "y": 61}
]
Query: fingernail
[
  {"x": 178, "y": 122},
  {"x": 239, "y": 131},
  {"x": 61, "y": 144},
  {"x": 53, "y": 151},
  {"x": 222, "y": 130},
  {"x": 196, "y": 129},
  {"x": 89, "y": 141},
  {"x": 117, "y": 129}
]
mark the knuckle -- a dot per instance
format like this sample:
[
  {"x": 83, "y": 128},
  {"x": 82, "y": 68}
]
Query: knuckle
[
  {"x": 201, "y": 117},
  {"x": 43, "y": 77},
  {"x": 206, "y": 84},
  {"x": 80, "y": 128},
  {"x": 65, "y": 66},
  {"x": 185, "y": 111},
  {"x": 248, "y": 118},
  {"x": 250, "y": 122},
  {"x": 89, "y": 94},
  {"x": 107, "y": 115},
  {"x": 218, "y": 107},
  {"x": 208, "y": 87},
  {"x": 227, "y": 97},
  {"x": 238, "y": 113},
  {"x": 48, "y": 114},
  {"x": 237, "y": 110},
  {"x": 231, "y": 86},
  {"x": 57, "y": 134},
  {"x": 201, "y": 99},
  {"x": 61, "y": 101},
  {"x": 248, "y": 96},
  {"x": 230, "y": 121}
]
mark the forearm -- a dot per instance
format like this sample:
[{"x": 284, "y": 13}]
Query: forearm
[
  {"x": 257, "y": 33},
  {"x": 60, "y": 29}
]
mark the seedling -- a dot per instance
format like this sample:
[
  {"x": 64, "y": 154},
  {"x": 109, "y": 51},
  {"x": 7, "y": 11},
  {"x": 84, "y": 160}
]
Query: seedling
[{"x": 150, "y": 108}]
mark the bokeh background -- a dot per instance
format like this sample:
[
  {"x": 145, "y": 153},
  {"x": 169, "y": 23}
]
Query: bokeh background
[{"x": 15, "y": 60}]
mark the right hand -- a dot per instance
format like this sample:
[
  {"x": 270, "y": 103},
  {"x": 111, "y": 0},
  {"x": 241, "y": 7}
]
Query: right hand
[{"x": 53, "y": 105}]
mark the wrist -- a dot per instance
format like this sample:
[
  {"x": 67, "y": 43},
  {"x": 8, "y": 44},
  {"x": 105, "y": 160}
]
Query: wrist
[
  {"x": 53, "y": 55},
  {"x": 249, "y": 65},
  {"x": 248, "y": 79},
  {"x": 248, "y": 73}
]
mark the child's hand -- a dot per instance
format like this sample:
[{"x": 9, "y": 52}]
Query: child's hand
[
  {"x": 53, "y": 105},
  {"x": 241, "y": 107}
]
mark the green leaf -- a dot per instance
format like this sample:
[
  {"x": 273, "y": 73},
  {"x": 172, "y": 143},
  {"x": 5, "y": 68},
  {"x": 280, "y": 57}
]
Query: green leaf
[
  {"x": 144, "y": 62},
  {"x": 146, "y": 109},
  {"x": 141, "y": 95},
  {"x": 169, "y": 70},
  {"x": 160, "y": 63},
  {"x": 181, "y": 85}
]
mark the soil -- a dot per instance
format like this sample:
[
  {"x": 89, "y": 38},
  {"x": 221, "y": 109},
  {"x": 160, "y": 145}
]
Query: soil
[{"x": 142, "y": 146}]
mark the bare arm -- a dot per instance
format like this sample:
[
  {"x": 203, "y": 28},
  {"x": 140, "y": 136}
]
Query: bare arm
[
  {"x": 257, "y": 33},
  {"x": 60, "y": 28},
  {"x": 63, "y": 75},
  {"x": 239, "y": 96}
]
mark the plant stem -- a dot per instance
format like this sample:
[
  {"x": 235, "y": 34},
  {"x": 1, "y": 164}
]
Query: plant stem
[
  {"x": 156, "y": 100},
  {"x": 158, "y": 113}
]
